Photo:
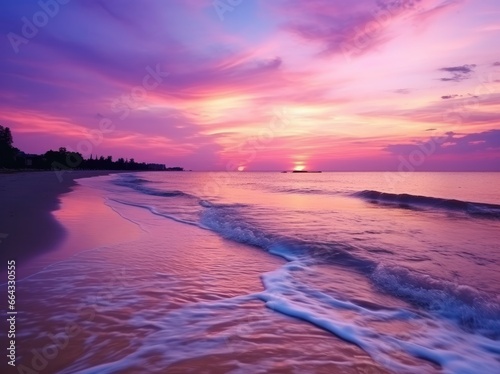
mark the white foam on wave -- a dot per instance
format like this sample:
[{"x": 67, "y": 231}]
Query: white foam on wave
[
  {"x": 173, "y": 336},
  {"x": 283, "y": 251},
  {"x": 154, "y": 210},
  {"x": 470, "y": 308},
  {"x": 430, "y": 340}
]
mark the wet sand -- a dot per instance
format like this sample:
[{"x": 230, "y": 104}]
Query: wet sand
[
  {"x": 27, "y": 200},
  {"x": 45, "y": 223}
]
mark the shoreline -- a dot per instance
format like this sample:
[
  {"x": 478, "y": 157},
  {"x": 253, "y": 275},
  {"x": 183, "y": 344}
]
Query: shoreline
[{"x": 27, "y": 200}]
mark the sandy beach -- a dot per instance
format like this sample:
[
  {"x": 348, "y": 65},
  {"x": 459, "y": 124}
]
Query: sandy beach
[
  {"x": 46, "y": 222},
  {"x": 27, "y": 200}
]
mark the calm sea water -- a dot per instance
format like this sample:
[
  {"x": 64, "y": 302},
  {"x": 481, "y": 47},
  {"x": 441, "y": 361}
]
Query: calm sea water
[{"x": 274, "y": 272}]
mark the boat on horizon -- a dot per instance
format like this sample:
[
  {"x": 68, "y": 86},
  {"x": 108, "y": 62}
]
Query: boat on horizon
[{"x": 302, "y": 171}]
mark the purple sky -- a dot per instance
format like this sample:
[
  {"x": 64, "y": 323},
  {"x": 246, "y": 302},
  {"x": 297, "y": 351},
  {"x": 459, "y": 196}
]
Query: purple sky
[{"x": 259, "y": 85}]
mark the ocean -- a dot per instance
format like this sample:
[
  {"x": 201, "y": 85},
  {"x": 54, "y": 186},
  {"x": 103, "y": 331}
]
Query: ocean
[{"x": 282, "y": 272}]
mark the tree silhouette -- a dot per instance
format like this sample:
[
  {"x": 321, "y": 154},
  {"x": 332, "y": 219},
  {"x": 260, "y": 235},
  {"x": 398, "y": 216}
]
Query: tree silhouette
[
  {"x": 62, "y": 159},
  {"x": 7, "y": 151},
  {"x": 5, "y": 136}
]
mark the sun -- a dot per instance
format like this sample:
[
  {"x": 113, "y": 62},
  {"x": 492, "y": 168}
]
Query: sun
[
  {"x": 241, "y": 168},
  {"x": 299, "y": 167}
]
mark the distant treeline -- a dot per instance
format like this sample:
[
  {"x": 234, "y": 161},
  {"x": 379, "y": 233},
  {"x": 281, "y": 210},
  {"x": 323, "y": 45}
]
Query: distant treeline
[{"x": 62, "y": 159}]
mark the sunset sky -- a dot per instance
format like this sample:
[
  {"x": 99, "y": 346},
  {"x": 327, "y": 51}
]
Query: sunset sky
[{"x": 257, "y": 85}]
